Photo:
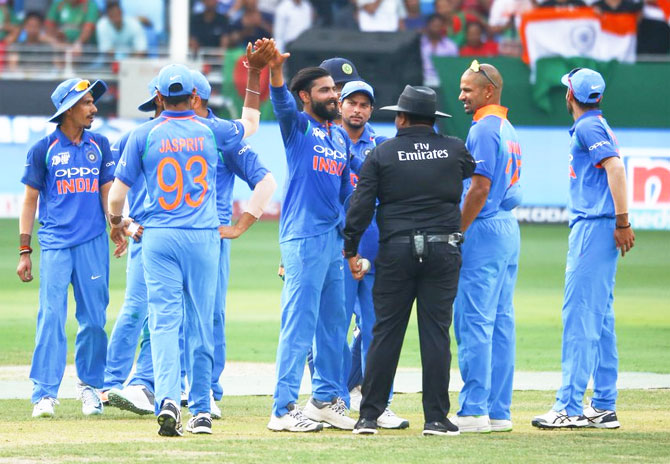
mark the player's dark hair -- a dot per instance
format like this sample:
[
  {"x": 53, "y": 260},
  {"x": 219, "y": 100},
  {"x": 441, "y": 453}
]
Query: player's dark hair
[
  {"x": 176, "y": 99},
  {"x": 304, "y": 79},
  {"x": 112, "y": 4},
  {"x": 588, "y": 106},
  {"x": 415, "y": 119},
  {"x": 434, "y": 16}
]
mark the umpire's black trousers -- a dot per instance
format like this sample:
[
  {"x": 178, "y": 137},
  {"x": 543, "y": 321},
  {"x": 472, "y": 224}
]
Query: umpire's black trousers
[{"x": 400, "y": 278}]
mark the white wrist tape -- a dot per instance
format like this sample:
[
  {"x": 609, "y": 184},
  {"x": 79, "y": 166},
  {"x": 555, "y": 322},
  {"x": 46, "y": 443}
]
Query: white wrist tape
[{"x": 260, "y": 198}]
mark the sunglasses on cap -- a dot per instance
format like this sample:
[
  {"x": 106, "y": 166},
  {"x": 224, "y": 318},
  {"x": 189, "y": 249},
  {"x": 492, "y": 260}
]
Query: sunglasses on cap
[
  {"x": 78, "y": 87},
  {"x": 570, "y": 74},
  {"x": 476, "y": 68}
]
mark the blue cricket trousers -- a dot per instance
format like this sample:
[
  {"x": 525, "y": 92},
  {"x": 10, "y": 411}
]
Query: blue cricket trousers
[
  {"x": 484, "y": 316},
  {"x": 220, "y": 319},
  {"x": 312, "y": 315},
  {"x": 128, "y": 327},
  {"x": 180, "y": 269},
  {"x": 86, "y": 267},
  {"x": 589, "y": 341}
]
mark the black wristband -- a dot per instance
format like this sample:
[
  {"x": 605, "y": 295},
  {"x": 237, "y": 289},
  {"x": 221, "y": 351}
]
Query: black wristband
[{"x": 624, "y": 227}]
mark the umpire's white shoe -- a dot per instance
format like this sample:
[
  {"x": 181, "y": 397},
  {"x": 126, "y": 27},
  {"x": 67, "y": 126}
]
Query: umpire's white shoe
[
  {"x": 45, "y": 407},
  {"x": 91, "y": 405},
  {"x": 389, "y": 420},
  {"x": 214, "y": 409},
  {"x": 501, "y": 425},
  {"x": 293, "y": 421},
  {"x": 601, "y": 418},
  {"x": 334, "y": 413},
  {"x": 355, "y": 398},
  {"x": 472, "y": 424},
  {"x": 133, "y": 398},
  {"x": 559, "y": 420}
]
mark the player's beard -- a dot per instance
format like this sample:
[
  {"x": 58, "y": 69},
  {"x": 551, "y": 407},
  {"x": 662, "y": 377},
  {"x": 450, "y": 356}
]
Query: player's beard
[
  {"x": 354, "y": 125},
  {"x": 569, "y": 106},
  {"x": 322, "y": 111}
]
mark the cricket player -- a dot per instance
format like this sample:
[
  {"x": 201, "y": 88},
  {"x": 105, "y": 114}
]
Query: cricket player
[
  {"x": 356, "y": 105},
  {"x": 599, "y": 226},
  {"x": 242, "y": 162},
  {"x": 178, "y": 154},
  {"x": 70, "y": 171},
  {"x": 313, "y": 315},
  {"x": 483, "y": 309}
]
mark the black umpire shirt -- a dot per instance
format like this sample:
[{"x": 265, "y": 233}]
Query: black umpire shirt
[{"x": 418, "y": 178}]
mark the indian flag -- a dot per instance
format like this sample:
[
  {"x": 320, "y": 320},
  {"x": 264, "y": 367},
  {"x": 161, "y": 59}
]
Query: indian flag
[{"x": 577, "y": 32}]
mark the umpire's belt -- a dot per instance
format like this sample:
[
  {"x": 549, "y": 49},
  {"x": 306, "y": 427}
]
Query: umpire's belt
[{"x": 439, "y": 238}]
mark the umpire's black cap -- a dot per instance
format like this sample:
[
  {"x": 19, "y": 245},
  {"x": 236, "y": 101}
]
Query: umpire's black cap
[{"x": 417, "y": 100}]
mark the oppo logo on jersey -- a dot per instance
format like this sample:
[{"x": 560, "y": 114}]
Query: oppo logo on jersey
[
  {"x": 329, "y": 152},
  {"x": 76, "y": 172}
]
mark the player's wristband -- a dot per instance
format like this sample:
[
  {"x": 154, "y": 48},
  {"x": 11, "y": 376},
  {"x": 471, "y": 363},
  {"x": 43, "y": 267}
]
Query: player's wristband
[
  {"x": 116, "y": 221},
  {"x": 23, "y": 250},
  {"x": 623, "y": 227}
]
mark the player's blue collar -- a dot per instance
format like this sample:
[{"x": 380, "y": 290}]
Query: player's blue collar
[
  {"x": 327, "y": 124},
  {"x": 64, "y": 140},
  {"x": 588, "y": 114},
  {"x": 368, "y": 134},
  {"x": 177, "y": 114},
  {"x": 210, "y": 114}
]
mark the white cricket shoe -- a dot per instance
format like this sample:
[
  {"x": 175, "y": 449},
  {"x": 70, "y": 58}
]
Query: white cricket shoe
[
  {"x": 389, "y": 420},
  {"x": 501, "y": 425},
  {"x": 472, "y": 424},
  {"x": 355, "y": 398},
  {"x": 133, "y": 398},
  {"x": 558, "y": 420},
  {"x": 293, "y": 421},
  {"x": 200, "y": 423},
  {"x": 91, "y": 405},
  {"x": 601, "y": 418},
  {"x": 214, "y": 409},
  {"x": 45, "y": 407},
  {"x": 334, "y": 413}
]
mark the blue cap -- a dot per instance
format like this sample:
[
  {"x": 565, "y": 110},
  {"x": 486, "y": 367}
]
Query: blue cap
[
  {"x": 586, "y": 85},
  {"x": 67, "y": 94},
  {"x": 202, "y": 87},
  {"x": 357, "y": 86},
  {"x": 341, "y": 69},
  {"x": 175, "y": 74},
  {"x": 150, "y": 104}
]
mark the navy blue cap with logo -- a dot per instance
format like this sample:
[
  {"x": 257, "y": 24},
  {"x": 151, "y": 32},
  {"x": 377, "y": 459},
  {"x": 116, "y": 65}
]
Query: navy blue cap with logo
[{"x": 341, "y": 69}]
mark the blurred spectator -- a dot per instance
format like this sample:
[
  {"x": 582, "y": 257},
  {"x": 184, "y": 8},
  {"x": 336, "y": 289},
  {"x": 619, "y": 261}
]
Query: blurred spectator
[
  {"x": 120, "y": 35},
  {"x": 9, "y": 23},
  {"x": 475, "y": 45},
  {"x": 454, "y": 19},
  {"x": 209, "y": 28},
  {"x": 478, "y": 8},
  {"x": 617, "y": 6},
  {"x": 250, "y": 27},
  {"x": 33, "y": 44},
  {"x": 435, "y": 43},
  {"x": 551, "y": 3},
  {"x": 292, "y": 18},
  {"x": 151, "y": 13},
  {"x": 380, "y": 15},
  {"x": 345, "y": 16},
  {"x": 414, "y": 20},
  {"x": 653, "y": 32},
  {"x": 72, "y": 21},
  {"x": 505, "y": 21},
  {"x": 222, "y": 6}
]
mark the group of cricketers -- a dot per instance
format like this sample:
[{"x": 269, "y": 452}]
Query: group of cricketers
[{"x": 176, "y": 172}]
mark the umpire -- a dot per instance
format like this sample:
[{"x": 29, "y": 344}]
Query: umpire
[{"x": 417, "y": 177}]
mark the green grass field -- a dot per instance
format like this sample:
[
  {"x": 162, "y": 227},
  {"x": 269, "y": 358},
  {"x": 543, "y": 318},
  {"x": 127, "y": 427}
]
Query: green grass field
[
  {"x": 642, "y": 303},
  {"x": 241, "y": 437}
]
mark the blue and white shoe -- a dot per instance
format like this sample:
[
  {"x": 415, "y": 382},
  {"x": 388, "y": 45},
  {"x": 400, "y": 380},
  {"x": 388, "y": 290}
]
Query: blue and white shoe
[{"x": 91, "y": 405}]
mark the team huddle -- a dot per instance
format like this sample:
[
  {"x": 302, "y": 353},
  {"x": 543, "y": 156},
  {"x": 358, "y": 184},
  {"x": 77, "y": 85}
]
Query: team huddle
[{"x": 176, "y": 174}]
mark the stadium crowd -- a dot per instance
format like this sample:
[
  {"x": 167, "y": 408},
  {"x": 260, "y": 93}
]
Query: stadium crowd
[{"x": 117, "y": 29}]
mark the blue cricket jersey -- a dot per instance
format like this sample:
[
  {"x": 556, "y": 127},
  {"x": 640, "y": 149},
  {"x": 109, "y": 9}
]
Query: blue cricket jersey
[
  {"x": 318, "y": 179},
  {"x": 178, "y": 153},
  {"x": 138, "y": 191},
  {"x": 68, "y": 177},
  {"x": 240, "y": 161},
  {"x": 592, "y": 142},
  {"x": 369, "y": 244},
  {"x": 495, "y": 147}
]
